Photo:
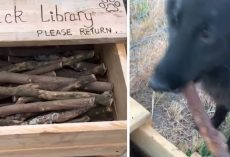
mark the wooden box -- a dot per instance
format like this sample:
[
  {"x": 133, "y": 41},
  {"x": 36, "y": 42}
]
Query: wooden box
[
  {"x": 82, "y": 139},
  {"x": 35, "y": 23}
]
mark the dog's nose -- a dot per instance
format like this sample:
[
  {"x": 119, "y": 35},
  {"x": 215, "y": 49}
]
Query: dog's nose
[{"x": 158, "y": 85}]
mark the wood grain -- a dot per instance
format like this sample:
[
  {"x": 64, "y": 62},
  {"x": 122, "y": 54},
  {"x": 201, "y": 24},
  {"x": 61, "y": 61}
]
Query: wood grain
[
  {"x": 55, "y": 22},
  {"x": 138, "y": 115},
  {"x": 39, "y": 139},
  {"x": 112, "y": 150},
  {"x": 146, "y": 137},
  {"x": 153, "y": 144},
  {"x": 115, "y": 54}
]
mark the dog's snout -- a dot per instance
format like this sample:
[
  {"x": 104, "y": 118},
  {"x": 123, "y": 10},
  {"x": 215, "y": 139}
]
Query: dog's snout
[{"x": 158, "y": 85}]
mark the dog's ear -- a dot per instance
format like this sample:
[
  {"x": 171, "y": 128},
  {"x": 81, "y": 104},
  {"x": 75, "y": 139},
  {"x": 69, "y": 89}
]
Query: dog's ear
[{"x": 173, "y": 10}]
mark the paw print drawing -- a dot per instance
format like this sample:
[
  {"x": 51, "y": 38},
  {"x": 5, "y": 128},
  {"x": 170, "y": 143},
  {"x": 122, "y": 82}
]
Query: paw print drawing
[{"x": 110, "y": 5}]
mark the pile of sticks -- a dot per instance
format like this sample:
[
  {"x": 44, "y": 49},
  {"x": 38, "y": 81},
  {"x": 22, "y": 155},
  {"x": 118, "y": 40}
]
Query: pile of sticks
[{"x": 61, "y": 85}]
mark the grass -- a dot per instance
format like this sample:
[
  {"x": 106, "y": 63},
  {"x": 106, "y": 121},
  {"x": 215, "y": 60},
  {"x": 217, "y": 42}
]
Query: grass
[
  {"x": 145, "y": 18},
  {"x": 201, "y": 149},
  {"x": 140, "y": 9}
]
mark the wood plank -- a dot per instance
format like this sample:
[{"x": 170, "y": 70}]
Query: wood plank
[
  {"x": 139, "y": 115},
  {"x": 114, "y": 149},
  {"x": 121, "y": 50},
  {"x": 60, "y": 22},
  {"x": 99, "y": 138},
  {"x": 114, "y": 56},
  {"x": 153, "y": 144}
]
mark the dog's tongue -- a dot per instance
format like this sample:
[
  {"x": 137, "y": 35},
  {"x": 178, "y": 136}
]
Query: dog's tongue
[{"x": 212, "y": 137}]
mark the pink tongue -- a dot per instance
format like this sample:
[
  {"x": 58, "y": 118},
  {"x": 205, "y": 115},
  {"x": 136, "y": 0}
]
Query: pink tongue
[{"x": 212, "y": 137}]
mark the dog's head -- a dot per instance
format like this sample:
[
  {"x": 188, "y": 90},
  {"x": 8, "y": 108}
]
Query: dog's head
[{"x": 199, "y": 40}]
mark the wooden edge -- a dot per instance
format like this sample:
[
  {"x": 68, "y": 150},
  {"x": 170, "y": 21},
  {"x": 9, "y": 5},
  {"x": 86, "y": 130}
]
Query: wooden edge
[
  {"x": 62, "y": 42},
  {"x": 153, "y": 144},
  {"x": 63, "y": 128},
  {"x": 121, "y": 49},
  {"x": 83, "y": 139},
  {"x": 115, "y": 60},
  {"x": 96, "y": 150},
  {"x": 139, "y": 115}
]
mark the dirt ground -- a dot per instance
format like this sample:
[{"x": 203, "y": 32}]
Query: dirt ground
[{"x": 171, "y": 116}]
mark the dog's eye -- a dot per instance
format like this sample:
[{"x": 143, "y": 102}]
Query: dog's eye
[
  {"x": 206, "y": 34},
  {"x": 175, "y": 21}
]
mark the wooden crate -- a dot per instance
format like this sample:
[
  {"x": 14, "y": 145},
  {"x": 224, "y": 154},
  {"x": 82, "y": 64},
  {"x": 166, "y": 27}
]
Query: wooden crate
[
  {"x": 34, "y": 23},
  {"x": 82, "y": 139}
]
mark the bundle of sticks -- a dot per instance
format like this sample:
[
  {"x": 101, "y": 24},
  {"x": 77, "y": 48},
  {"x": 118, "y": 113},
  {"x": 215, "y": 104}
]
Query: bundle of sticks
[{"x": 53, "y": 85}]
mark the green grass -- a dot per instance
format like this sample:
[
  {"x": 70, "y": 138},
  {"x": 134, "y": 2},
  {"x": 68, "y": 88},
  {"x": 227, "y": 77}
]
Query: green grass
[
  {"x": 201, "y": 149},
  {"x": 140, "y": 9}
]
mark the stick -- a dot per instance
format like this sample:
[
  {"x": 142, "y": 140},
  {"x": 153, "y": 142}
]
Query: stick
[
  {"x": 8, "y": 122},
  {"x": 8, "y": 77},
  {"x": 68, "y": 73},
  {"x": 13, "y": 60},
  {"x": 62, "y": 86},
  {"x": 80, "y": 120},
  {"x": 62, "y": 62},
  {"x": 52, "y": 73},
  {"x": 51, "y": 87},
  {"x": 47, "y": 106},
  {"x": 21, "y": 116},
  {"x": 57, "y": 117},
  {"x": 84, "y": 66},
  {"x": 215, "y": 143},
  {"x": 45, "y": 69},
  {"x": 25, "y": 116},
  {"x": 98, "y": 87},
  {"x": 87, "y": 68},
  {"x": 27, "y": 65},
  {"x": 24, "y": 100},
  {"x": 98, "y": 70},
  {"x": 47, "y": 57},
  {"x": 102, "y": 99},
  {"x": 82, "y": 81},
  {"x": 99, "y": 111},
  {"x": 30, "y": 65}
]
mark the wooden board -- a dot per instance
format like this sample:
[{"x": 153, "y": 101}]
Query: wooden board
[
  {"x": 148, "y": 139},
  {"x": 114, "y": 56},
  {"x": 69, "y": 152},
  {"x": 138, "y": 115},
  {"x": 98, "y": 138},
  {"x": 153, "y": 144},
  {"x": 59, "y": 22}
]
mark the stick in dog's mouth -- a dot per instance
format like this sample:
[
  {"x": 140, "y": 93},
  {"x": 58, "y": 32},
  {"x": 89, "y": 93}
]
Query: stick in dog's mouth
[{"x": 212, "y": 137}]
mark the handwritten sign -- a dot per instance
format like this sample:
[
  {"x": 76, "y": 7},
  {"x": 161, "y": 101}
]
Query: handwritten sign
[{"x": 49, "y": 22}]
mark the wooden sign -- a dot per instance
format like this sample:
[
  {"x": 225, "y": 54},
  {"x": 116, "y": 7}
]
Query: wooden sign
[{"x": 53, "y": 22}]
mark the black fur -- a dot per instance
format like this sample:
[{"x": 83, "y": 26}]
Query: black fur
[{"x": 199, "y": 50}]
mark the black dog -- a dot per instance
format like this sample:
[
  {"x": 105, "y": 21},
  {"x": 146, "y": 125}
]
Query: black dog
[{"x": 199, "y": 50}]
